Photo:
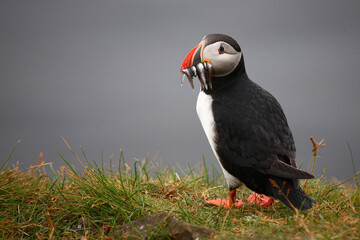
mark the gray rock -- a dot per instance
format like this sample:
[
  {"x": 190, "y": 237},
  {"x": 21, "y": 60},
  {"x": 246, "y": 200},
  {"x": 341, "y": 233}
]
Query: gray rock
[{"x": 161, "y": 226}]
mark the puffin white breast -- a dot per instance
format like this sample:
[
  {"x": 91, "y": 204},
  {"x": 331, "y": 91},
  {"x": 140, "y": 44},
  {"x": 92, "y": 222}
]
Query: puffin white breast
[{"x": 205, "y": 112}]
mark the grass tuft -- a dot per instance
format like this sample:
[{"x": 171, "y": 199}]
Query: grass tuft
[{"x": 88, "y": 204}]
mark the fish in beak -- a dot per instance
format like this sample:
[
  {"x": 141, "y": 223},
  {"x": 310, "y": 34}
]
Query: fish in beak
[{"x": 195, "y": 66}]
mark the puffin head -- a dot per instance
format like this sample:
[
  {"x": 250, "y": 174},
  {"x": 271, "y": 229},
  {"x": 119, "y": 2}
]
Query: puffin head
[{"x": 217, "y": 55}]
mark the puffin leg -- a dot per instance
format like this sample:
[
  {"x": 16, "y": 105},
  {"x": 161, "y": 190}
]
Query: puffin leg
[
  {"x": 227, "y": 203},
  {"x": 260, "y": 199}
]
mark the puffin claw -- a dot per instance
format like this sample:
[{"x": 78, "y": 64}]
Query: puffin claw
[
  {"x": 225, "y": 203},
  {"x": 260, "y": 199}
]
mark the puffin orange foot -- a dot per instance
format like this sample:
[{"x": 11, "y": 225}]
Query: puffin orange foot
[
  {"x": 225, "y": 203},
  {"x": 260, "y": 199}
]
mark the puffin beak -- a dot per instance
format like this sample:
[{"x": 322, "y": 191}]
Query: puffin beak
[{"x": 194, "y": 66}]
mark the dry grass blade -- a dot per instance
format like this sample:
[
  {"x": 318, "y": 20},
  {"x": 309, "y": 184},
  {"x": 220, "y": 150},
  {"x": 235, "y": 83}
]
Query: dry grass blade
[{"x": 73, "y": 152}]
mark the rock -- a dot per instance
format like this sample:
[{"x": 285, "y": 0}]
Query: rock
[{"x": 161, "y": 226}]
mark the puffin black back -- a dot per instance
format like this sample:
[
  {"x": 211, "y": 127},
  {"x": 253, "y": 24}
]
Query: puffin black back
[{"x": 245, "y": 126}]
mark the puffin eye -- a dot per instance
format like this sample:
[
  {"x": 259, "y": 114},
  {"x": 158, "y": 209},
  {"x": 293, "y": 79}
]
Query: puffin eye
[{"x": 221, "y": 49}]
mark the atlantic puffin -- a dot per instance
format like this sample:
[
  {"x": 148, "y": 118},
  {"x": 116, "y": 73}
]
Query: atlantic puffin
[{"x": 245, "y": 126}]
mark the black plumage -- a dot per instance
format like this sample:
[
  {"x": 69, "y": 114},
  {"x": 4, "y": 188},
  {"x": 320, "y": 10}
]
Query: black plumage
[{"x": 253, "y": 141}]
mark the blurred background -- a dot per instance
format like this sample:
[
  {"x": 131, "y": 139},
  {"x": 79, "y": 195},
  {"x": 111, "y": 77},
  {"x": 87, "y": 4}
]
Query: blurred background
[{"x": 105, "y": 75}]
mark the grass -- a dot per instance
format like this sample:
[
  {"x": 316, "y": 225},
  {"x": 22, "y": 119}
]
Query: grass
[{"x": 88, "y": 204}]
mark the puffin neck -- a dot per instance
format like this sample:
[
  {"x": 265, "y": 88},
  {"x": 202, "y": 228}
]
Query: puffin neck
[{"x": 219, "y": 83}]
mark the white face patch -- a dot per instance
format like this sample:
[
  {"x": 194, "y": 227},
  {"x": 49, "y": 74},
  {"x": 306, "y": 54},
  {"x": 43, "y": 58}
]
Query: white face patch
[
  {"x": 222, "y": 63},
  {"x": 205, "y": 113}
]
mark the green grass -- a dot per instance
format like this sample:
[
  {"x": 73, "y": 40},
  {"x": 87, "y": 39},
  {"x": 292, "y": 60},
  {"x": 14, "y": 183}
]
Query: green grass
[{"x": 88, "y": 204}]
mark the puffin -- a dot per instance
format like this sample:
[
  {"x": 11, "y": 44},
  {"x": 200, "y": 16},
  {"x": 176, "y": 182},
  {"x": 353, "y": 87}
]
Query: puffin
[{"x": 245, "y": 126}]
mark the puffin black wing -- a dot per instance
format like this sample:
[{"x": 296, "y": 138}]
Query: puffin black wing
[
  {"x": 253, "y": 132},
  {"x": 245, "y": 125}
]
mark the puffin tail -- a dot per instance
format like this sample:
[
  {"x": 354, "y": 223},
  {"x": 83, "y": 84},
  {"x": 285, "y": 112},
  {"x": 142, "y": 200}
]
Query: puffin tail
[{"x": 293, "y": 197}]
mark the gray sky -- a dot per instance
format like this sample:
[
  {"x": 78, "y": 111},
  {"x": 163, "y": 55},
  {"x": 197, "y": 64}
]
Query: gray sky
[{"x": 105, "y": 75}]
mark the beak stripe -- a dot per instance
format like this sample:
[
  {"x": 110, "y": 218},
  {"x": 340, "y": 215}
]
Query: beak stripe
[{"x": 207, "y": 60}]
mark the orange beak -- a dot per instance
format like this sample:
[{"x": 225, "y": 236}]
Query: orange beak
[
  {"x": 200, "y": 68},
  {"x": 189, "y": 59}
]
